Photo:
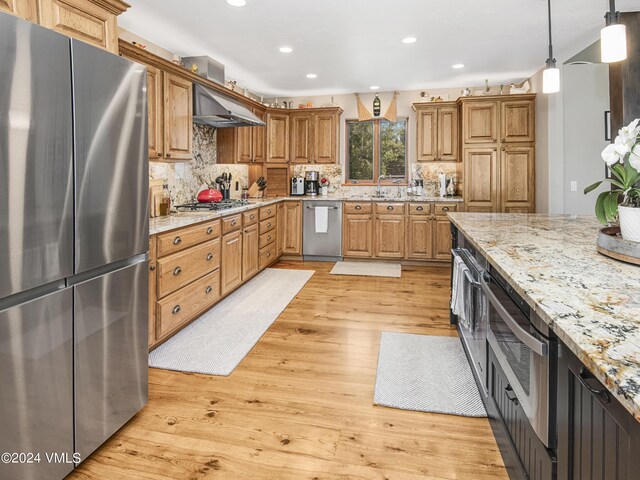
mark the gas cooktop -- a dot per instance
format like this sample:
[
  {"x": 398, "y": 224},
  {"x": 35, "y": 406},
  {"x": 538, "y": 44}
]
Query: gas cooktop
[{"x": 208, "y": 207}]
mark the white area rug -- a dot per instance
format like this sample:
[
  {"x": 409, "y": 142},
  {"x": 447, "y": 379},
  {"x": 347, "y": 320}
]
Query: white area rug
[
  {"x": 217, "y": 342},
  {"x": 427, "y": 374},
  {"x": 368, "y": 269}
]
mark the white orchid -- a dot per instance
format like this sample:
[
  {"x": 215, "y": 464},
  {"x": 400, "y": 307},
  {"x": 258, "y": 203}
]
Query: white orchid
[
  {"x": 634, "y": 158},
  {"x": 629, "y": 134},
  {"x": 616, "y": 152}
]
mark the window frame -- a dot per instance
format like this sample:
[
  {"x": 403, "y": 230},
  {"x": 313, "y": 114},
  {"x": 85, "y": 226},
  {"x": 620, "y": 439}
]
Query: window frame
[{"x": 376, "y": 154}]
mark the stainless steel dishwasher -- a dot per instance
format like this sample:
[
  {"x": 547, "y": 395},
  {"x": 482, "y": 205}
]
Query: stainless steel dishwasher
[{"x": 317, "y": 244}]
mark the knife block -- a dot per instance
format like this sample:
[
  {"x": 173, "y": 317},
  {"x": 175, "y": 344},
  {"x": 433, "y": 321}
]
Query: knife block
[{"x": 254, "y": 191}]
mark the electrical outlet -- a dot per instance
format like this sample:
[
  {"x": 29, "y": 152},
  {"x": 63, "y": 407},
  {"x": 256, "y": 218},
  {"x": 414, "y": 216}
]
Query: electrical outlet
[{"x": 574, "y": 186}]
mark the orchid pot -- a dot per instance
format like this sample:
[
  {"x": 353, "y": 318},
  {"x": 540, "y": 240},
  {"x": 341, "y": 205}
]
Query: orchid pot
[{"x": 621, "y": 203}]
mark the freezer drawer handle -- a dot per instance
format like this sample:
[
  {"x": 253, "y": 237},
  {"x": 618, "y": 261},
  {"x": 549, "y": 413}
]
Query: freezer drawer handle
[
  {"x": 209, "y": 289},
  {"x": 525, "y": 337},
  {"x": 177, "y": 241},
  {"x": 583, "y": 376},
  {"x": 176, "y": 309},
  {"x": 177, "y": 271},
  {"x": 210, "y": 257},
  {"x": 209, "y": 230},
  {"x": 508, "y": 391}
]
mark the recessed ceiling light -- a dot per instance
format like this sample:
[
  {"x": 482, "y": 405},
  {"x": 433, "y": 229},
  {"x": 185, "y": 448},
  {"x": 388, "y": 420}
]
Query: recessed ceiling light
[
  {"x": 374, "y": 87},
  {"x": 285, "y": 49},
  {"x": 458, "y": 66},
  {"x": 237, "y": 3},
  {"x": 312, "y": 75},
  {"x": 409, "y": 40}
]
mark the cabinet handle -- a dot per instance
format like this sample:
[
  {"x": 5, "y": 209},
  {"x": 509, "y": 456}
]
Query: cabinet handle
[
  {"x": 177, "y": 241},
  {"x": 269, "y": 254},
  {"x": 177, "y": 271},
  {"x": 495, "y": 149},
  {"x": 358, "y": 207},
  {"x": 583, "y": 376},
  {"x": 176, "y": 309},
  {"x": 445, "y": 209},
  {"x": 209, "y": 230},
  {"x": 252, "y": 216},
  {"x": 508, "y": 391},
  {"x": 210, "y": 257},
  {"x": 494, "y": 140},
  {"x": 503, "y": 140},
  {"x": 168, "y": 155},
  {"x": 420, "y": 209},
  {"x": 152, "y": 268},
  {"x": 268, "y": 238},
  {"x": 269, "y": 211},
  {"x": 503, "y": 149},
  {"x": 208, "y": 290},
  {"x": 269, "y": 225},
  {"x": 233, "y": 223},
  {"x": 377, "y": 217},
  {"x": 389, "y": 207},
  {"x": 159, "y": 154}
]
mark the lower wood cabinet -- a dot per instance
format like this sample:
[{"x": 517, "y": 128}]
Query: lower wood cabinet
[
  {"x": 389, "y": 236},
  {"x": 280, "y": 229},
  {"x": 231, "y": 269},
  {"x": 250, "y": 240},
  {"x": 420, "y": 238},
  {"x": 357, "y": 235},
  {"x": 292, "y": 228},
  {"x": 442, "y": 239}
]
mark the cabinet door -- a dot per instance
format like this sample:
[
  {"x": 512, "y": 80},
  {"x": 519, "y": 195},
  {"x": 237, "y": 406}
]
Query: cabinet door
[
  {"x": 480, "y": 179},
  {"x": 427, "y": 134},
  {"x": 480, "y": 122},
  {"x": 155, "y": 112},
  {"x": 448, "y": 134},
  {"x": 250, "y": 252},
  {"x": 280, "y": 229},
  {"x": 517, "y": 179},
  {"x": 325, "y": 138},
  {"x": 357, "y": 236},
  {"x": 178, "y": 116},
  {"x": 517, "y": 121},
  {"x": 27, "y": 9},
  {"x": 389, "y": 236},
  {"x": 152, "y": 291},
  {"x": 81, "y": 19},
  {"x": 301, "y": 140},
  {"x": 420, "y": 238},
  {"x": 244, "y": 152},
  {"x": 231, "y": 269},
  {"x": 292, "y": 228},
  {"x": 442, "y": 239},
  {"x": 277, "y": 137},
  {"x": 259, "y": 139}
]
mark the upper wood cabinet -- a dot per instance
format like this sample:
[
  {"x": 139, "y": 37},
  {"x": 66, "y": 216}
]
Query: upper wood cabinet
[
  {"x": 259, "y": 139},
  {"x": 242, "y": 144},
  {"x": 301, "y": 136},
  {"x": 155, "y": 109},
  {"x": 292, "y": 228},
  {"x": 480, "y": 122},
  {"x": 325, "y": 136},
  {"x": 178, "y": 117},
  {"x": 277, "y": 137},
  {"x": 517, "y": 121},
  {"x": 92, "y": 21},
  {"x": 437, "y": 132}
]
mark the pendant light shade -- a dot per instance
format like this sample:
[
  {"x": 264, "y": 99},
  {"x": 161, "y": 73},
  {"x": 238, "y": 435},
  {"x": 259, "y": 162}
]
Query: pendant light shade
[
  {"x": 551, "y": 74},
  {"x": 551, "y": 80},
  {"x": 613, "y": 43}
]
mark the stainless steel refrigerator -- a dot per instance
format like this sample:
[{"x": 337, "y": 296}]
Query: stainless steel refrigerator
[{"x": 73, "y": 246}]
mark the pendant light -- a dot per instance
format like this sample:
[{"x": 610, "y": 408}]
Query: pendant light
[
  {"x": 613, "y": 37},
  {"x": 551, "y": 74}
]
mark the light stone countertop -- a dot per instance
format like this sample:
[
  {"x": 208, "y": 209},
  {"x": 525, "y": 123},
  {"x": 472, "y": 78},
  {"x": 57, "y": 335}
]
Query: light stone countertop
[
  {"x": 184, "y": 219},
  {"x": 590, "y": 301}
]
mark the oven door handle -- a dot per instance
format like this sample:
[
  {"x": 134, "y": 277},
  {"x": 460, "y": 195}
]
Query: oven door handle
[{"x": 538, "y": 347}]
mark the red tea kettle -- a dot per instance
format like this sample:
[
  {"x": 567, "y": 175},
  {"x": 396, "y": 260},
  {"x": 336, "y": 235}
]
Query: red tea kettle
[{"x": 209, "y": 195}]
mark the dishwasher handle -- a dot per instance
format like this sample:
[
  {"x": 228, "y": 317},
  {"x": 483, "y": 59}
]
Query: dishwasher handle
[
  {"x": 536, "y": 346},
  {"x": 330, "y": 208}
]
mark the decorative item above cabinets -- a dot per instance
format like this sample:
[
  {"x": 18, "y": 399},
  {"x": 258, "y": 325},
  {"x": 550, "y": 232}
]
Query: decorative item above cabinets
[{"x": 437, "y": 132}]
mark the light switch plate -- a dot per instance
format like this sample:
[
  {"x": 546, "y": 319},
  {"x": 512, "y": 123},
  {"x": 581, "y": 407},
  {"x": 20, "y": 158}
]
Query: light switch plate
[{"x": 574, "y": 186}]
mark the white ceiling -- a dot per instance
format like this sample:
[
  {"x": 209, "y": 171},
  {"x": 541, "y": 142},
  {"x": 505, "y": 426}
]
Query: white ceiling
[{"x": 352, "y": 44}]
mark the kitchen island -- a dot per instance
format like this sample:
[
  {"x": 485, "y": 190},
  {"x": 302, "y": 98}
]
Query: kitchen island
[{"x": 591, "y": 304}]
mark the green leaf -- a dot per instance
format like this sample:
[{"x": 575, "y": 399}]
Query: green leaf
[
  {"x": 615, "y": 182},
  {"x": 592, "y": 187},
  {"x": 619, "y": 171},
  {"x": 600, "y": 214},
  {"x": 611, "y": 205}
]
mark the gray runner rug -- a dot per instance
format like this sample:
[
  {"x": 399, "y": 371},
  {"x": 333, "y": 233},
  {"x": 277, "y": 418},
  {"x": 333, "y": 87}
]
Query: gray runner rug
[
  {"x": 368, "y": 269},
  {"x": 217, "y": 342},
  {"x": 426, "y": 373}
]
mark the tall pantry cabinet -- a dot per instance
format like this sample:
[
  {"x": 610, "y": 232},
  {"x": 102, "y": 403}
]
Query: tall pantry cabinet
[{"x": 498, "y": 152}]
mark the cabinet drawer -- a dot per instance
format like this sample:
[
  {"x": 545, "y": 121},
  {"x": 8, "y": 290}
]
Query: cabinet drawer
[
  {"x": 389, "y": 208},
  {"x": 267, "y": 255},
  {"x": 267, "y": 225},
  {"x": 267, "y": 238},
  {"x": 419, "y": 208},
  {"x": 357, "y": 207},
  {"x": 250, "y": 217},
  {"x": 184, "y": 238},
  {"x": 182, "y": 268},
  {"x": 268, "y": 211},
  {"x": 444, "y": 208},
  {"x": 181, "y": 306},
  {"x": 229, "y": 224}
]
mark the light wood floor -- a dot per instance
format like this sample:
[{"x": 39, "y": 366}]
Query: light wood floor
[{"x": 299, "y": 406}]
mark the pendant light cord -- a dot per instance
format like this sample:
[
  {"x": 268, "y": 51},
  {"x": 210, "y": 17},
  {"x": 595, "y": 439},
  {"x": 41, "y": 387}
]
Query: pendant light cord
[
  {"x": 551, "y": 62},
  {"x": 612, "y": 16}
]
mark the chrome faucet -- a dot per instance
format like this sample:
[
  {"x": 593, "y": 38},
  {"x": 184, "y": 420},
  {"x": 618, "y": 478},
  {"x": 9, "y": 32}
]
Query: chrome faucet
[
  {"x": 395, "y": 179},
  {"x": 378, "y": 188}
]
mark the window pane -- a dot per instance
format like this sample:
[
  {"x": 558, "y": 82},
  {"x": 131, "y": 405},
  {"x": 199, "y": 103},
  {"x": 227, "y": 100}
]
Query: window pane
[
  {"x": 360, "y": 150},
  {"x": 393, "y": 150}
]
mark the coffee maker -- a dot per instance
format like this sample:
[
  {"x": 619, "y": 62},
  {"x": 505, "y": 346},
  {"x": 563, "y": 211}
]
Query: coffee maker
[{"x": 311, "y": 183}]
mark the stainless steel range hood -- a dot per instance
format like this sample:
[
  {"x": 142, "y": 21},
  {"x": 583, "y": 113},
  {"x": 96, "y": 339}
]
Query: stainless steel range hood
[{"x": 211, "y": 108}]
